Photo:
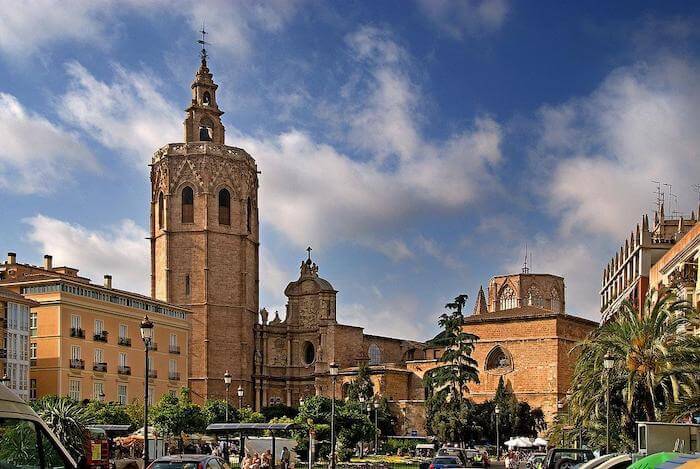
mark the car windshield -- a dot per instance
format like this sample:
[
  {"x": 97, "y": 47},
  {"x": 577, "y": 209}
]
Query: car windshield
[
  {"x": 20, "y": 443},
  {"x": 446, "y": 461}
]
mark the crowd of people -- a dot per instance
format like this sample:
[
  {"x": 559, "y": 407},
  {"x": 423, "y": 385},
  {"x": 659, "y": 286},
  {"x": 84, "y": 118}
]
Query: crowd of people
[{"x": 256, "y": 461}]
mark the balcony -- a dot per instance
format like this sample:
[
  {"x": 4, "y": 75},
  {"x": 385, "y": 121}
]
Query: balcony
[
  {"x": 100, "y": 336},
  {"x": 32, "y": 362},
  {"x": 77, "y": 363},
  {"x": 153, "y": 346},
  {"x": 174, "y": 376},
  {"x": 77, "y": 332},
  {"x": 125, "y": 341},
  {"x": 3, "y": 353},
  {"x": 124, "y": 370},
  {"x": 174, "y": 349},
  {"x": 152, "y": 373},
  {"x": 101, "y": 366}
]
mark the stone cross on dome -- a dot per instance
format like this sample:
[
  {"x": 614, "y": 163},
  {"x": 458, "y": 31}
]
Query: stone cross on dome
[{"x": 203, "y": 42}]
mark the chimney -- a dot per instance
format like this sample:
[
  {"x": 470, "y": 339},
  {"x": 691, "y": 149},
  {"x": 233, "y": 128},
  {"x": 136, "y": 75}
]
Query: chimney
[
  {"x": 11, "y": 258},
  {"x": 48, "y": 262},
  {"x": 108, "y": 281}
]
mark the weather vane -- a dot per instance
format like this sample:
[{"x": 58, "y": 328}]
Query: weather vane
[{"x": 203, "y": 42}]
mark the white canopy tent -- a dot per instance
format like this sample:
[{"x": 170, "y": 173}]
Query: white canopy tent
[{"x": 519, "y": 442}]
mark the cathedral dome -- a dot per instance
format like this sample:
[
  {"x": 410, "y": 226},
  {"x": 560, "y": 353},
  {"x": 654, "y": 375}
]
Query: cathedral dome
[{"x": 308, "y": 281}]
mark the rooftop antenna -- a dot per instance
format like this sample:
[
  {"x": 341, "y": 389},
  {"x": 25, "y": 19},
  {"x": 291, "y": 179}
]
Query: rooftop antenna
[
  {"x": 696, "y": 188},
  {"x": 671, "y": 198},
  {"x": 203, "y": 42},
  {"x": 526, "y": 269},
  {"x": 659, "y": 196}
]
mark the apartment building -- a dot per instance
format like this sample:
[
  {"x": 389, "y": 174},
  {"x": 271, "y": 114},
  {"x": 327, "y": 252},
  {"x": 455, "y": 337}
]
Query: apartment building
[
  {"x": 14, "y": 330},
  {"x": 85, "y": 338}
]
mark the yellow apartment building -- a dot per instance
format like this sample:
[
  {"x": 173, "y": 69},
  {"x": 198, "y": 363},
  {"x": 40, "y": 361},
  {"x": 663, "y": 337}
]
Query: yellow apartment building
[{"x": 85, "y": 339}]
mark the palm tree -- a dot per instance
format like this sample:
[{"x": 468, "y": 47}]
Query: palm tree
[
  {"x": 67, "y": 419},
  {"x": 655, "y": 362}
]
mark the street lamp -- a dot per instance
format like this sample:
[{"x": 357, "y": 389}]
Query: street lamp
[
  {"x": 227, "y": 382},
  {"x": 333, "y": 371},
  {"x": 560, "y": 407},
  {"x": 240, "y": 396},
  {"x": 147, "y": 337},
  {"x": 497, "y": 411},
  {"x": 608, "y": 364},
  {"x": 301, "y": 401},
  {"x": 376, "y": 428}
]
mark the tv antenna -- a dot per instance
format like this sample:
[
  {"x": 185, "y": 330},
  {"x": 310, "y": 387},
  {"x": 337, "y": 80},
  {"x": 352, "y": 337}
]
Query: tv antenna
[
  {"x": 526, "y": 268},
  {"x": 659, "y": 196},
  {"x": 696, "y": 188}
]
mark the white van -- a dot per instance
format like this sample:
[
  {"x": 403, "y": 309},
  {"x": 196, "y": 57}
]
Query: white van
[{"x": 25, "y": 440}]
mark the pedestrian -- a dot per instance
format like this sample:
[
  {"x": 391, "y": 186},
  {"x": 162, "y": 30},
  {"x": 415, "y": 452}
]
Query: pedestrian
[{"x": 285, "y": 458}]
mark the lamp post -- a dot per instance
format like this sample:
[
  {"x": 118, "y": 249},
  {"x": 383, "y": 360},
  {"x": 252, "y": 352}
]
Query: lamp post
[
  {"x": 560, "y": 407},
  {"x": 240, "y": 397},
  {"x": 147, "y": 337},
  {"x": 376, "y": 428},
  {"x": 361, "y": 398},
  {"x": 227, "y": 382},
  {"x": 497, "y": 411},
  {"x": 333, "y": 371},
  {"x": 608, "y": 364}
]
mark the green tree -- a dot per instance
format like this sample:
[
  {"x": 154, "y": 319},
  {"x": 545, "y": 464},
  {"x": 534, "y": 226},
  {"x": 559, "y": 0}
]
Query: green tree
[
  {"x": 215, "y": 411},
  {"x": 248, "y": 415},
  {"x": 174, "y": 415},
  {"x": 135, "y": 412},
  {"x": 456, "y": 367},
  {"x": 277, "y": 411},
  {"x": 361, "y": 386},
  {"x": 656, "y": 367},
  {"x": 108, "y": 413},
  {"x": 68, "y": 419}
]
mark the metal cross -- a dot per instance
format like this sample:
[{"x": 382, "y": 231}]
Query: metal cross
[
  {"x": 203, "y": 42},
  {"x": 309, "y": 251}
]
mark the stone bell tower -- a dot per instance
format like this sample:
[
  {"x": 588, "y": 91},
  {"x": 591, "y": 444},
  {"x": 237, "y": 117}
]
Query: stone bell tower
[{"x": 204, "y": 243}]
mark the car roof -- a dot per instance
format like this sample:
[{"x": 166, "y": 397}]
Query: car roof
[{"x": 184, "y": 457}]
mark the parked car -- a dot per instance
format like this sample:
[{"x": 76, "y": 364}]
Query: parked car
[
  {"x": 440, "y": 462},
  {"x": 189, "y": 461},
  {"x": 469, "y": 457},
  {"x": 565, "y": 458},
  {"x": 25, "y": 440},
  {"x": 534, "y": 460},
  {"x": 608, "y": 461}
]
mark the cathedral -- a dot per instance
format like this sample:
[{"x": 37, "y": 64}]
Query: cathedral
[{"x": 205, "y": 259}]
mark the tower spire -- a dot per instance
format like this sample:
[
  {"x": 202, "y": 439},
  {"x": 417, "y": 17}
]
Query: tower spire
[
  {"x": 526, "y": 268},
  {"x": 203, "y": 42}
]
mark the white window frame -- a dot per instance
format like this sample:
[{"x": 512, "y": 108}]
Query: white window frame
[
  {"x": 75, "y": 321},
  {"x": 32, "y": 350},
  {"x": 122, "y": 391},
  {"x": 123, "y": 331},
  {"x": 74, "y": 389},
  {"x": 75, "y": 353},
  {"x": 99, "y": 355},
  {"x": 98, "y": 387},
  {"x": 99, "y": 326},
  {"x": 123, "y": 359}
]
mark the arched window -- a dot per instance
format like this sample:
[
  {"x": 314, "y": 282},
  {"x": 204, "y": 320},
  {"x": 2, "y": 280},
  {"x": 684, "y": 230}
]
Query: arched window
[
  {"x": 534, "y": 297},
  {"x": 556, "y": 303},
  {"x": 187, "y": 205},
  {"x": 507, "y": 299},
  {"x": 309, "y": 353},
  {"x": 375, "y": 354},
  {"x": 205, "y": 130},
  {"x": 224, "y": 207},
  {"x": 206, "y": 98},
  {"x": 498, "y": 360},
  {"x": 161, "y": 210},
  {"x": 248, "y": 210}
]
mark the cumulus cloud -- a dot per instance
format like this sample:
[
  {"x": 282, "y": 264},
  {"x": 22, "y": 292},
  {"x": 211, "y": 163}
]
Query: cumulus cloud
[
  {"x": 606, "y": 148},
  {"x": 120, "y": 250},
  {"x": 460, "y": 18},
  {"x": 35, "y": 150},
  {"x": 128, "y": 115},
  {"x": 395, "y": 317},
  {"x": 39, "y": 24}
]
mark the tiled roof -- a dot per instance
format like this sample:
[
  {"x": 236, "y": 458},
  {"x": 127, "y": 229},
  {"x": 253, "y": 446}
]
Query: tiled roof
[{"x": 523, "y": 312}]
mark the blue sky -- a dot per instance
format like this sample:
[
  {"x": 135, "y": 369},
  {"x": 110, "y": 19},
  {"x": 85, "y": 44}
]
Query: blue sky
[{"x": 416, "y": 145}]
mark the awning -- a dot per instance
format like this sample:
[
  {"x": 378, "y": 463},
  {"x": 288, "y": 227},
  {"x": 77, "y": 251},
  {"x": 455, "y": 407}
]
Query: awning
[{"x": 242, "y": 427}]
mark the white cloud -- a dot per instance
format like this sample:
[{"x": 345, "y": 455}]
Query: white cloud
[
  {"x": 36, "y": 25},
  {"x": 605, "y": 149},
  {"x": 128, "y": 115},
  {"x": 35, "y": 150},
  {"x": 432, "y": 248},
  {"x": 460, "y": 18},
  {"x": 397, "y": 317},
  {"x": 121, "y": 250}
]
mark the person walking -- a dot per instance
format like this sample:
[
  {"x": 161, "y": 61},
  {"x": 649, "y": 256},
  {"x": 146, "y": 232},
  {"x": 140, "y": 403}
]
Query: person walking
[{"x": 285, "y": 458}]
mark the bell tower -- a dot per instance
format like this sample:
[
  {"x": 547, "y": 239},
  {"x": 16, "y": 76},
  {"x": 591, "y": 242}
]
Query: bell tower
[{"x": 204, "y": 243}]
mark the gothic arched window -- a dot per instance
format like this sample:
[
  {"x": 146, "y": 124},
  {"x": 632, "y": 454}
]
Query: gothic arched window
[
  {"x": 206, "y": 98},
  {"x": 498, "y": 360},
  {"x": 224, "y": 207},
  {"x": 375, "y": 354},
  {"x": 556, "y": 302},
  {"x": 534, "y": 297},
  {"x": 161, "y": 210},
  {"x": 309, "y": 353},
  {"x": 507, "y": 299},
  {"x": 187, "y": 205}
]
